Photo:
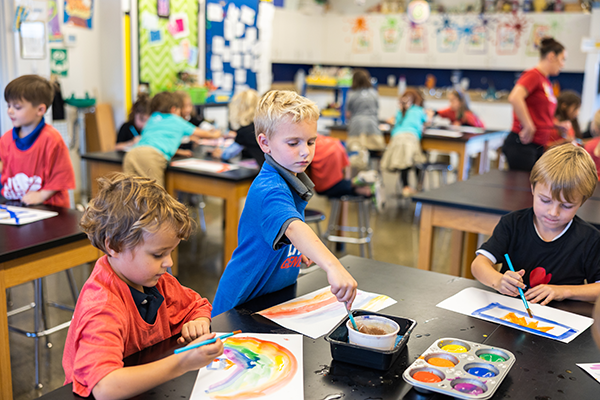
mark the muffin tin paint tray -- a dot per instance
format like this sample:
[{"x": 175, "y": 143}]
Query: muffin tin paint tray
[{"x": 460, "y": 369}]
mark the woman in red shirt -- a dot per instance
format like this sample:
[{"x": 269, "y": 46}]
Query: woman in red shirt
[
  {"x": 534, "y": 104},
  {"x": 459, "y": 113}
]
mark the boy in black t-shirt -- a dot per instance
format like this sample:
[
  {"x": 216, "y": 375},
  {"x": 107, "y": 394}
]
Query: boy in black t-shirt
[{"x": 554, "y": 252}]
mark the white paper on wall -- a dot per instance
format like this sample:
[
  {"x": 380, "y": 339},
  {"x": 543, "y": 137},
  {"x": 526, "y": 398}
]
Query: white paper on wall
[
  {"x": 214, "y": 12},
  {"x": 247, "y": 15},
  {"x": 236, "y": 61},
  {"x": 218, "y": 45},
  {"x": 216, "y": 63},
  {"x": 240, "y": 76},
  {"x": 227, "y": 82}
]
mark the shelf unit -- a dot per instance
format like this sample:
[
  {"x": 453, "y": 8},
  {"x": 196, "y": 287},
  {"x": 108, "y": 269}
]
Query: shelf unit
[{"x": 339, "y": 91}]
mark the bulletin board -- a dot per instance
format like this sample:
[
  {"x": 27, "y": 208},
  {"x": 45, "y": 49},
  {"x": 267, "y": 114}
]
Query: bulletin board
[
  {"x": 232, "y": 48},
  {"x": 169, "y": 43}
]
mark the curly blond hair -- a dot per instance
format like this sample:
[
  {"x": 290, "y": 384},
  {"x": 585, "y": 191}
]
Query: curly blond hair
[
  {"x": 279, "y": 106},
  {"x": 127, "y": 206}
]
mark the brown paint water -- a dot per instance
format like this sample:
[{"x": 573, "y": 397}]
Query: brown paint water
[{"x": 371, "y": 330}]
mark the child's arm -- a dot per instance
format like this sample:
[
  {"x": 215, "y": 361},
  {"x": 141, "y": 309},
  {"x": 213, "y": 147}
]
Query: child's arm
[
  {"x": 517, "y": 99},
  {"x": 544, "y": 294},
  {"x": 33, "y": 198},
  {"x": 201, "y": 133},
  {"x": 184, "y": 153},
  {"x": 483, "y": 269},
  {"x": 343, "y": 286},
  {"x": 131, "y": 381}
]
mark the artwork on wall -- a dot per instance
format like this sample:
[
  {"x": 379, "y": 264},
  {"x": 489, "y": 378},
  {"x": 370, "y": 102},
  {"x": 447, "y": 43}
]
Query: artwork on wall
[
  {"x": 362, "y": 37},
  {"x": 417, "y": 39},
  {"x": 163, "y": 8},
  {"x": 447, "y": 34},
  {"x": 391, "y": 33},
  {"x": 79, "y": 13},
  {"x": 475, "y": 41},
  {"x": 509, "y": 32},
  {"x": 54, "y": 33}
]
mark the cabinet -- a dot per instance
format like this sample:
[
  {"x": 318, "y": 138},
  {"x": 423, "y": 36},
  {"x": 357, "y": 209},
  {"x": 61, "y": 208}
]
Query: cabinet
[{"x": 340, "y": 91}]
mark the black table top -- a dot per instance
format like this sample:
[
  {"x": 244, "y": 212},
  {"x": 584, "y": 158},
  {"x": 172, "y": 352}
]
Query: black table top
[
  {"x": 498, "y": 192},
  {"x": 23, "y": 240},
  {"x": 236, "y": 175},
  {"x": 417, "y": 293}
]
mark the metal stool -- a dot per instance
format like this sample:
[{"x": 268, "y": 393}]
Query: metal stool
[
  {"x": 314, "y": 217},
  {"x": 363, "y": 229},
  {"x": 40, "y": 318},
  {"x": 426, "y": 168}
]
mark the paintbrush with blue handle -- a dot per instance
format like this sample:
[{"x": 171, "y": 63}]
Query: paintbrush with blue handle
[
  {"x": 520, "y": 290},
  {"x": 205, "y": 342}
]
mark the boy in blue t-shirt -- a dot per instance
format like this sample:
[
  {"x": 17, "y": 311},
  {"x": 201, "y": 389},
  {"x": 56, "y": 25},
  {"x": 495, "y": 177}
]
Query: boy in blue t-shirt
[
  {"x": 273, "y": 238},
  {"x": 161, "y": 138}
]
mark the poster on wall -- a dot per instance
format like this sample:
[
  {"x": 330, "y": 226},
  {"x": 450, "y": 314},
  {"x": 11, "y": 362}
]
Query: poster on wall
[
  {"x": 391, "y": 33},
  {"x": 59, "y": 62},
  {"x": 417, "y": 39},
  {"x": 163, "y": 8},
  {"x": 362, "y": 37},
  {"x": 475, "y": 41},
  {"x": 448, "y": 40},
  {"x": 538, "y": 32},
  {"x": 507, "y": 40},
  {"x": 54, "y": 33},
  {"x": 79, "y": 13}
]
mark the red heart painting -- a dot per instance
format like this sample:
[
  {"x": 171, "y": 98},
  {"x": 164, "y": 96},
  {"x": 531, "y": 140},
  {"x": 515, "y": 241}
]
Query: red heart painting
[{"x": 539, "y": 277}]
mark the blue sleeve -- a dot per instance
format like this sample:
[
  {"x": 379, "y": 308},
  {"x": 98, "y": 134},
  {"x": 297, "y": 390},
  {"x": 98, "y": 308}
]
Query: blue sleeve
[
  {"x": 398, "y": 118},
  {"x": 278, "y": 209},
  {"x": 184, "y": 126}
]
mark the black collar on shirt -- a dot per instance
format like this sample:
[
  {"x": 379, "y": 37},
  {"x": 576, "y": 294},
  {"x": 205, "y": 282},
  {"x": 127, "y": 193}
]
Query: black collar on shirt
[
  {"x": 301, "y": 183},
  {"x": 147, "y": 303},
  {"x": 26, "y": 142}
]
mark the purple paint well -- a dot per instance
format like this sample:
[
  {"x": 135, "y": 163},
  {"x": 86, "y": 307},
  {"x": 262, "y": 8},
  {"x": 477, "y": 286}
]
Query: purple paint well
[{"x": 468, "y": 388}]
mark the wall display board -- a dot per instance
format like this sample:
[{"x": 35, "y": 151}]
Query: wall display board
[
  {"x": 468, "y": 41},
  {"x": 232, "y": 44},
  {"x": 167, "y": 45}
]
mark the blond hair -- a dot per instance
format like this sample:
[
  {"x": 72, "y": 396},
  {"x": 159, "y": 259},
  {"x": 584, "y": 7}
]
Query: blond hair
[
  {"x": 127, "y": 206},
  {"x": 242, "y": 108},
  {"x": 568, "y": 170},
  {"x": 279, "y": 106}
]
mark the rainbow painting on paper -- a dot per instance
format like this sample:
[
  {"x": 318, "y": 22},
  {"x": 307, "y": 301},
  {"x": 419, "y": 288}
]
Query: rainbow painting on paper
[
  {"x": 253, "y": 365},
  {"x": 316, "y": 313},
  {"x": 591, "y": 368}
]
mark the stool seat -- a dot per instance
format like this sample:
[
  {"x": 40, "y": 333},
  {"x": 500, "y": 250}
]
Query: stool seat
[{"x": 314, "y": 217}]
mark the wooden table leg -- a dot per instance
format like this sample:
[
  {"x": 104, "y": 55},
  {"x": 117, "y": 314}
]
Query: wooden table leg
[
  {"x": 232, "y": 215},
  {"x": 5, "y": 372},
  {"x": 463, "y": 165},
  {"x": 426, "y": 237},
  {"x": 470, "y": 249},
  {"x": 456, "y": 252}
]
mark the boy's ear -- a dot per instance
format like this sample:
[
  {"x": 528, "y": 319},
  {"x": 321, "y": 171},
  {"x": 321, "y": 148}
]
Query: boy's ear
[
  {"x": 109, "y": 250},
  {"x": 532, "y": 187},
  {"x": 41, "y": 110},
  {"x": 263, "y": 142}
]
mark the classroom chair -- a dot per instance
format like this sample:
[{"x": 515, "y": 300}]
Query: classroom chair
[
  {"x": 41, "y": 327},
  {"x": 363, "y": 228},
  {"x": 429, "y": 167}
]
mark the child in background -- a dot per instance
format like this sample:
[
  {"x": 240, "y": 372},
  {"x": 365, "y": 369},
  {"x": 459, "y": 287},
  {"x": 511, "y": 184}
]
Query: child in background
[
  {"x": 458, "y": 112},
  {"x": 242, "y": 108},
  {"x": 593, "y": 146},
  {"x": 567, "y": 129},
  {"x": 272, "y": 235},
  {"x": 404, "y": 151},
  {"x": 161, "y": 139},
  {"x": 130, "y": 132},
  {"x": 130, "y": 302},
  {"x": 554, "y": 251},
  {"x": 187, "y": 110},
  {"x": 34, "y": 159},
  {"x": 363, "y": 111}
]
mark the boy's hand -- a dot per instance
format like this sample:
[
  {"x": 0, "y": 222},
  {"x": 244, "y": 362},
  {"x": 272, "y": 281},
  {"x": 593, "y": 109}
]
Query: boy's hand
[
  {"x": 509, "y": 282},
  {"x": 544, "y": 294},
  {"x": 202, "y": 356},
  {"x": 194, "y": 329},
  {"x": 343, "y": 285},
  {"x": 33, "y": 198}
]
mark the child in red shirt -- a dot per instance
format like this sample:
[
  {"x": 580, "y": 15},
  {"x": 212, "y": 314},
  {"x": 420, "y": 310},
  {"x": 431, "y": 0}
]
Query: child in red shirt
[
  {"x": 565, "y": 118},
  {"x": 459, "y": 113},
  {"x": 34, "y": 159},
  {"x": 130, "y": 302},
  {"x": 593, "y": 146}
]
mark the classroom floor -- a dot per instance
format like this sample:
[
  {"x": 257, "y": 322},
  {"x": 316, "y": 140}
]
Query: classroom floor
[{"x": 395, "y": 240}]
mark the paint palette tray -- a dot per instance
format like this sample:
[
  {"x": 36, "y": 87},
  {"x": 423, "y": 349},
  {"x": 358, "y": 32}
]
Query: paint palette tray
[
  {"x": 460, "y": 369},
  {"x": 341, "y": 350}
]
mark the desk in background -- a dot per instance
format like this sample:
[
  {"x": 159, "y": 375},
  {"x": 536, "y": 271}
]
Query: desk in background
[
  {"x": 467, "y": 145},
  {"x": 475, "y": 207},
  {"x": 32, "y": 251},
  {"x": 417, "y": 293},
  {"x": 231, "y": 186}
]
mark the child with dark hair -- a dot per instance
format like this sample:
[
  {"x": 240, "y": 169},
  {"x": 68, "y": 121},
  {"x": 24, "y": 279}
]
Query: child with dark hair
[
  {"x": 459, "y": 112},
  {"x": 34, "y": 159},
  {"x": 161, "y": 139},
  {"x": 130, "y": 132},
  {"x": 565, "y": 118}
]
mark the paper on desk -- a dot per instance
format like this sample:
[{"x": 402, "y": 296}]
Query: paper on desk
[
  {"x": 592, "y": 368},
  {"x": 466, "y": 129},
  {"x": 25, "y": 215},
  {"x": 204, "y": 165},
  {"x": 268, "y": 366},
  {"x": 443, "y": 133},
  {"x": 318, "y": 312},
  {"x": 547, "y": 321}
]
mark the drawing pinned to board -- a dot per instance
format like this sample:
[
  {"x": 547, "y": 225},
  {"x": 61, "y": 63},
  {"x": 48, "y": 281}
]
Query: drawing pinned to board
[
  {"x": 539, "y": 31},
  {"x": 391, "y": 33},
  {"x": 254, "y": 365},
  {"x": 362, "y": 37},
  {"x": 54, "y": 33},
  {"x": 447, "y": 34},
  {"x": 179, "y": 26},
  {"x": 476, "y": 42},
  {"x": 79, "y": 13},
  {"x": 509, "y": 32},
  {"x": 417, "y": 38},
  {"x": 548, "y": 322},
  {"x": 155, "y": 37},
  {"x": 163, "y": 8}
]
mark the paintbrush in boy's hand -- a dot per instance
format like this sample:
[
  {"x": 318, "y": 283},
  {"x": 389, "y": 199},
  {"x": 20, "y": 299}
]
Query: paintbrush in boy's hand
[
  {"x": 209, "y": 341},
  {"x": 520, "y": 290}
]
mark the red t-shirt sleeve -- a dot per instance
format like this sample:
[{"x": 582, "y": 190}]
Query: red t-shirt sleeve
[
  {"x": 59, "y": 172},
  {"x": 529, "y": 80},
  {"x": 447, "y": 113},
  {"x": 471, "y": 119}
]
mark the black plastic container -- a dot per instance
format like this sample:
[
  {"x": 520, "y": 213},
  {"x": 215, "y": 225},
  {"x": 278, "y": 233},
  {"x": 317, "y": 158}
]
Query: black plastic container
[{"x": 341, "y": 350}]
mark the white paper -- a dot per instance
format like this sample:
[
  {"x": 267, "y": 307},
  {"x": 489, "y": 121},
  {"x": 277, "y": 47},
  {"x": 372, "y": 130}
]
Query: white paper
[
  {"x": 177, "y": 54},
  {"x": 149, "y": 21},
  {"x": 235, "y": 46},
  {"x": 240, "y": 28},
  {"x": 197, "y": 164},
  {"x": 226, "y": 54},
  {"x": 218, "y": 45},
  {"x": 228, "y": 30},
  {"x": 442, "y": 133},
  {"x": 236, "y": 61},
  {"x": 247, "y": 15},
  {"x": 247, "y": 61},
  {"x": 489, "y": 306},
  {"x": 233, "y": 13},
  {"x": 216, "y": 63},
  {"x": 591, "y": 368},
  {"x": 255, "y": 65},
  {"x": 227, "y": 82},
  {"x": 217, "y": 78},
  {"x": 266, "y": 11},
  {"x": 251, "y": 35},
  {"x": 240, "y": 76},
  {"x": 466, "y": 129},
  {"x": 25, "y": 215},
  {"x": 316, "y": 313},
  {"x": 263, "y": 365},
  {"x": 214, "y": 12},
  {"x": 247, "y": 46}
]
